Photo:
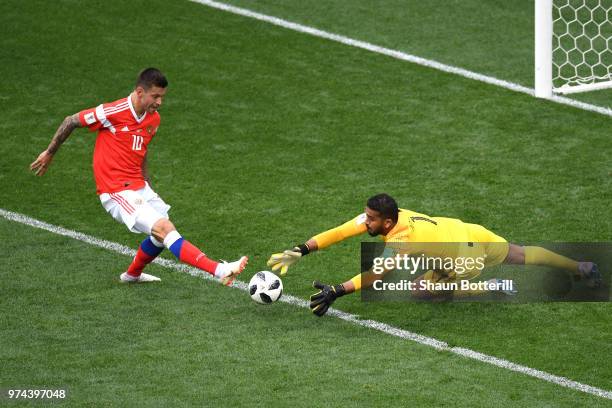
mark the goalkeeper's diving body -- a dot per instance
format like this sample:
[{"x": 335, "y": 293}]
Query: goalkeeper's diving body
[{"x": 407, "y": 231}]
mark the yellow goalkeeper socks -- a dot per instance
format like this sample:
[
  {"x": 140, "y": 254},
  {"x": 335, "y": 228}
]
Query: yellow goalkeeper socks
[{"x": 542, "y": 256}]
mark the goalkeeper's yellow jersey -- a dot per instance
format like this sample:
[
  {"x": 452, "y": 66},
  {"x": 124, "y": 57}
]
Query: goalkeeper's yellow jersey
[{"x": 413, "y": 229}]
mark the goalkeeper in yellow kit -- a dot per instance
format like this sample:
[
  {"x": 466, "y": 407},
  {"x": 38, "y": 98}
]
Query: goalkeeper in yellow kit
[{"x": 408, "y": 230}]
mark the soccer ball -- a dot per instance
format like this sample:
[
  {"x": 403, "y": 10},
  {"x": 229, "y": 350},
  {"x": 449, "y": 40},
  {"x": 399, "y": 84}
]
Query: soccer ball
[{"x": 265, "y": 287}]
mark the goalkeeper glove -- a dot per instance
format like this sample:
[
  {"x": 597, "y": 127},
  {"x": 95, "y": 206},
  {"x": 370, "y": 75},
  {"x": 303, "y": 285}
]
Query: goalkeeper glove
[
  {"x": 322, "y": 300},
  {"x": 285, "y": 259}
]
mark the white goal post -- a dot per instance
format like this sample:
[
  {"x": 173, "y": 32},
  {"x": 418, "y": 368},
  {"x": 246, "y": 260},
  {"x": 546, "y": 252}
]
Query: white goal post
[{"x": 573, "y": 46}]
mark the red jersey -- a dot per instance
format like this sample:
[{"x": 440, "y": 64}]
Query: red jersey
[{"x": 121, "y": 144}]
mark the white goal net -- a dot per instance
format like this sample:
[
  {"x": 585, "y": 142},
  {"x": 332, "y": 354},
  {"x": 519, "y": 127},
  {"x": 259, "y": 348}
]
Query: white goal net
[{"x": 573, "y": 45}]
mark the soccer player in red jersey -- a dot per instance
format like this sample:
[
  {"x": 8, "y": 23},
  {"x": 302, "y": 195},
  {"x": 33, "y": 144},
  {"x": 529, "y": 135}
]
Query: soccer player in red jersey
[{"x": 125, "y": 129}]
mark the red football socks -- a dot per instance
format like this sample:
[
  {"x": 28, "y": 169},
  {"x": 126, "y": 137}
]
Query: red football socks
[
  {"x": 147, "y": 252},
  {"x": 191, "y": 255}
]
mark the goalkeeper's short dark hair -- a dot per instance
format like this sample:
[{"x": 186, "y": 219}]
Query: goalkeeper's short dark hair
[
  {"x": 151, "y": 77},
  {"x": 385, "y": 205}
]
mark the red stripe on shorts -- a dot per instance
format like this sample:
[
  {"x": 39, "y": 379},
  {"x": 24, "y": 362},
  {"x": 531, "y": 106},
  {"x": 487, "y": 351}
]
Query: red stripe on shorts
[{"x": 123, "y": 203}]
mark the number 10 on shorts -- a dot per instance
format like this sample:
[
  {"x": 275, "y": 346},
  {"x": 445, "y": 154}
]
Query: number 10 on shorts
[{"x": 137, "y": 142}]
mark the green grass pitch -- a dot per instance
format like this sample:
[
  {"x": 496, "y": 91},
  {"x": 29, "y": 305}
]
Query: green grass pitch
[{"x": 269, "y": 136}]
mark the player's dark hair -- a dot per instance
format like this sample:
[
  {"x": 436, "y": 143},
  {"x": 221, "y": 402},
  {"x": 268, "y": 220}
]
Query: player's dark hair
[
  {"x": 151, "y": 77},
  {"x": 385, "y": 205}
]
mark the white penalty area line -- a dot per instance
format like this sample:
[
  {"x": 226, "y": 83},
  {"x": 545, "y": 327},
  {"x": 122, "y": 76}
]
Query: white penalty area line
[
  {"x": 399, "y": 55},
  {"x": 370, "y": 324}
]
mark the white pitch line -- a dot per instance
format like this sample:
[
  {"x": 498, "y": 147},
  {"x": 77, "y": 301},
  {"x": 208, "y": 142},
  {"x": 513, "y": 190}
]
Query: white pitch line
[
  {"x": 399, "y": 55},
  {"x": 370, "y": 324}
]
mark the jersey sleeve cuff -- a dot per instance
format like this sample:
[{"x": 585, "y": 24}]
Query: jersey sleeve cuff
[{"x": 88, "y": 118}]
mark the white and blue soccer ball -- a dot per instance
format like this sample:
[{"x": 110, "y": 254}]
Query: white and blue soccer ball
[{"x": 265, "y": 287}]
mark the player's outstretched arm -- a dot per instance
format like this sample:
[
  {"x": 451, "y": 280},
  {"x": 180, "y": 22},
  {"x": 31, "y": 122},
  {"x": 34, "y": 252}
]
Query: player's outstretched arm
[
  {"x": 43, "y": 161},
  {"x": 283, "y": 260}
]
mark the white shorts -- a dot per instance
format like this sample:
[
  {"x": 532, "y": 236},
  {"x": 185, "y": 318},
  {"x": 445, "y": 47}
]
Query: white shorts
[{"x": 139, "y": 210}]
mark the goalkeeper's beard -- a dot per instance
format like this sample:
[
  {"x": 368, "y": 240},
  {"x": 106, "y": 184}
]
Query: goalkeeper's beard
[{"x": 373, "y": 233}]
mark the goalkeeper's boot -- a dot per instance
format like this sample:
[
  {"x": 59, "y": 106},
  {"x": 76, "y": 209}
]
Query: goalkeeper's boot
[
  {"x": 590, "y": 272},
  {"x": 226, "y": 272},
  {"x": 143, "y": 278}
]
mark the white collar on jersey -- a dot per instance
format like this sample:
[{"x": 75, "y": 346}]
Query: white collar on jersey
[{"x": 138, "y": 119}]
